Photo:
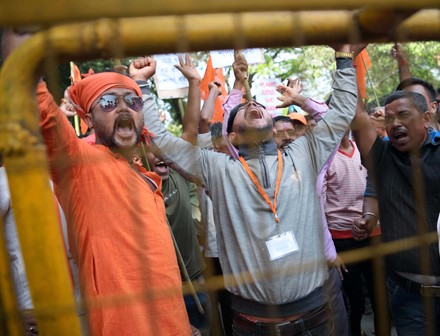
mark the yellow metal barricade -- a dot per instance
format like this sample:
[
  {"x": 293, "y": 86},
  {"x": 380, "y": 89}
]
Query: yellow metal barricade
[{"x": 175, "y": 26}]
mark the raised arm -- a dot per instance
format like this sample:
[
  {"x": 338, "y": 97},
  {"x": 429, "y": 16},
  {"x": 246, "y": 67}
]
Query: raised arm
[
  {"x": 190, "y": 123},
  {"x": 402, "y": 61},
  {"x": 240, "y": 67},
  {"x": 364, "y": 131},
  {"x": 327, "y": 135},
  {"x": 190, "y": 161},
  {"x": 208, "y": 107}
]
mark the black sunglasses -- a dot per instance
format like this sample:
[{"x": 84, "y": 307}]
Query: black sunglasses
[{"x": 109, "y": 102}]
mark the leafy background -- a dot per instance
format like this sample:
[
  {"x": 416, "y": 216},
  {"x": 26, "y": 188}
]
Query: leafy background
[{"x": 314, "y": 65}]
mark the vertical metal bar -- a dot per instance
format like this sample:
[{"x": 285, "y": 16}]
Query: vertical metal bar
[{"x": 34, "y": 205}]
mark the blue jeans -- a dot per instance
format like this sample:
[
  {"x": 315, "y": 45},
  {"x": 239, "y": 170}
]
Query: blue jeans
[
  {"x": 201, "y": 322},
  {"x": 408, "y": 313}
]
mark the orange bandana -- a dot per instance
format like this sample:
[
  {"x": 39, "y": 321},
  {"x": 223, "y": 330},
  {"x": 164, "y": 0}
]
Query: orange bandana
[{"x": 85, "y": 92}]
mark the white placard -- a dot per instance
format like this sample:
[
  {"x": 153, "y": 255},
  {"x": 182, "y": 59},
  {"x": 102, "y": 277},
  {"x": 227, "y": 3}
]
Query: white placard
[
  {"x": 224, "y": 58},
  {"x": 265, "y": 93},
  {"x": 167, "y": 76}
]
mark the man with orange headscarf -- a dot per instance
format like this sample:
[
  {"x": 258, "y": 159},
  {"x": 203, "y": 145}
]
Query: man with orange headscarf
[{"x": 115, "y": 211}]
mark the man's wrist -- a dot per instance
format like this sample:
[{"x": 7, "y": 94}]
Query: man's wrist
[
  {"x": 142, "y": 83},
  {"x": 139, "y": 78},
  {"x": 373, "y": 217}
]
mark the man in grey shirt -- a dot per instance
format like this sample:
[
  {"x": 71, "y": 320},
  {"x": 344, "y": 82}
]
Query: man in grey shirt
[{"x": 266, "y": 210}]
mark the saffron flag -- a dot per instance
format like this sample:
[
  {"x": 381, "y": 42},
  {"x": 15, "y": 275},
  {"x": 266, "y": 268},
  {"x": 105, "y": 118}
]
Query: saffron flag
[
  {"x": 362, "y": 62},
  {"x": 75, "y": 77},
  {"x": 212, "y": 75}
]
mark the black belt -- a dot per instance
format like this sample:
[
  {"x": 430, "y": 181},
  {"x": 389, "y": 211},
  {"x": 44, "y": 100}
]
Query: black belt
[
  {"x": 295, "y": 327},
  {"x": 414, "y": 287}
]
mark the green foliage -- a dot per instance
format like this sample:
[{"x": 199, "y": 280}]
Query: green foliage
[
  {"x": 175, "y": 129},
  {"x": 313, "y": 65},
  {"x": 384, "y": 69}
]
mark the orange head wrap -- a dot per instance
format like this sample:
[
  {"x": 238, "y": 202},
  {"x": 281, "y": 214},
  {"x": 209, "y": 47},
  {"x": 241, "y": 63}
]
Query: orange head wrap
[{"x": 85, "y": 92}]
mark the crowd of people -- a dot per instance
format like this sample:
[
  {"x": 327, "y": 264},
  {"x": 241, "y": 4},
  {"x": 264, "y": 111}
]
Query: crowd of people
[{"x": 272, "y": 205}]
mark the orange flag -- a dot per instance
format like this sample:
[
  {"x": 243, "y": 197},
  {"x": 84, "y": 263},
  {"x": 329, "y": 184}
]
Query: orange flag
[
  {"x": 362, "y": 62},
  {"x": 211, "y": 75},
  {"x": 75, "y": 77},
  {"x": 75, "y": 74}
]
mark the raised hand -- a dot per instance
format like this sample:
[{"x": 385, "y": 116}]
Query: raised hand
[
  {"x": 215, "y": 87},
  {"x": 187, "y": 68},
  {"x": 66, "y": 105},
  {"x": 142, "y": 68},
  {"x": 295, "y": 84},
  {"x": 291, "y": 93},
  {"x": 240, "y": 66},
  {"x": 398, "y": 53}
]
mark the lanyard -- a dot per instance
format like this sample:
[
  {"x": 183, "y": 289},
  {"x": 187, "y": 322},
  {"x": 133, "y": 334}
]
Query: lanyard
[{"x": 273, "y": 207}]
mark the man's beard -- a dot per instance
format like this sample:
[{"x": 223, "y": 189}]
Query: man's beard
[
  {"x": 255, "y": 134},
  {"x": 243, "y": 129},
  {"x": 108, "y": 139}
]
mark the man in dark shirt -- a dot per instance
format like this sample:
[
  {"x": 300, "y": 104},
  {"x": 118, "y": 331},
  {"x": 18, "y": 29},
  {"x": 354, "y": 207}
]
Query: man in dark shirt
[{"x": 406, "y": 171}]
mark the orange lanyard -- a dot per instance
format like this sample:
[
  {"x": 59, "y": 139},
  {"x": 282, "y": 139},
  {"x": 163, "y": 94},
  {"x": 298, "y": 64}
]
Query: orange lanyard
[{"x": 273, "y": 207}]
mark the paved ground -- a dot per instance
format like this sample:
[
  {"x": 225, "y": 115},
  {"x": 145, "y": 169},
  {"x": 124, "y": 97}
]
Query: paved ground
[{"x": 368, "y": 325}]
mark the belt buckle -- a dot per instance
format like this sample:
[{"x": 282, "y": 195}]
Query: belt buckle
[
  {"x": 278, "y": 327},
  {"x": 430, "y": 290}
]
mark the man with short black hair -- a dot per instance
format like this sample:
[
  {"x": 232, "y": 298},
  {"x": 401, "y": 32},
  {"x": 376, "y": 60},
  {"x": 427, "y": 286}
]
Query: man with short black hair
[
  {"x": 289, "y": 128},
  {"x": 271, "y": 249},
  {"x": 406, "y": 172},
  {"x": 427, "y": 90}
]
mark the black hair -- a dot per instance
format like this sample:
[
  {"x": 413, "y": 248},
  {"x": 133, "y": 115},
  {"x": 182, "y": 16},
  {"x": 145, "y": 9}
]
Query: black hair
[
  {"x": 281, "y": 117},
  {"x": 216, "y": 130},
  {"x": 417, "y": 81},
  {"x": 232, "y": 116},
  {"x": 418, "y": 101}
]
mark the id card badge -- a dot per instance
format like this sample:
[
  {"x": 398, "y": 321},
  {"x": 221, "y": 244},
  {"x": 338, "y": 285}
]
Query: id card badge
[{"x": 281, "y": 245}]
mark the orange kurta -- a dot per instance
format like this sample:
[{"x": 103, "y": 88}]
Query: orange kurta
[{"x": 117, "y": 232}]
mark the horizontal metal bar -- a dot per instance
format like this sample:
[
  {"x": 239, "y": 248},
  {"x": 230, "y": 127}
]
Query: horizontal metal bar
[{"x": 48, "y": 12}]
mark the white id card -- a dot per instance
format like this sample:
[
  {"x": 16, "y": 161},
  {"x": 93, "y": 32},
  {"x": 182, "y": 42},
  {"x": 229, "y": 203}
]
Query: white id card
[{"x": 281, "y": 245}]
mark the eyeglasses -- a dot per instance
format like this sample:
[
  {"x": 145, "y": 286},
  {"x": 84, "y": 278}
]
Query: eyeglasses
[{"x": 109, "y": 102}]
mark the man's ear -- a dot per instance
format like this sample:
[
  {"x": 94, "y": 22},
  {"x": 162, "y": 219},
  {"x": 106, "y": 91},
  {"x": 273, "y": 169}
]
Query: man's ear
[
  {"x": 88, "y": 120},
  {"x": 427, "y": 116},
  {"x": 434, "y": 106},
  {"x": 274, "y": 131},
  {"x": 232, "y": 137}
]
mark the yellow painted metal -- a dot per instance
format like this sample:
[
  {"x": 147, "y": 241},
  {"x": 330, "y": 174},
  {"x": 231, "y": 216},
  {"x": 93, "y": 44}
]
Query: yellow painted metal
[
  {"x": 23, "y": 12},
  {"x": 374, "y": 21},
  {"x": 33, "y": 201},
  {"x": 148, "y": 35},
  {"x": 9, "y": 324},
  {"x": 418, "y": 25}
]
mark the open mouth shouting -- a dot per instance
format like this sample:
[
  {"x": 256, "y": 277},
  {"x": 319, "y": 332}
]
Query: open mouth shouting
[
  {"x": 160, "y": 167},
  {"x": 399, "y": 136},
  {"x": 254, "y": 112},
  {"x": 124, "y": 126}
]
